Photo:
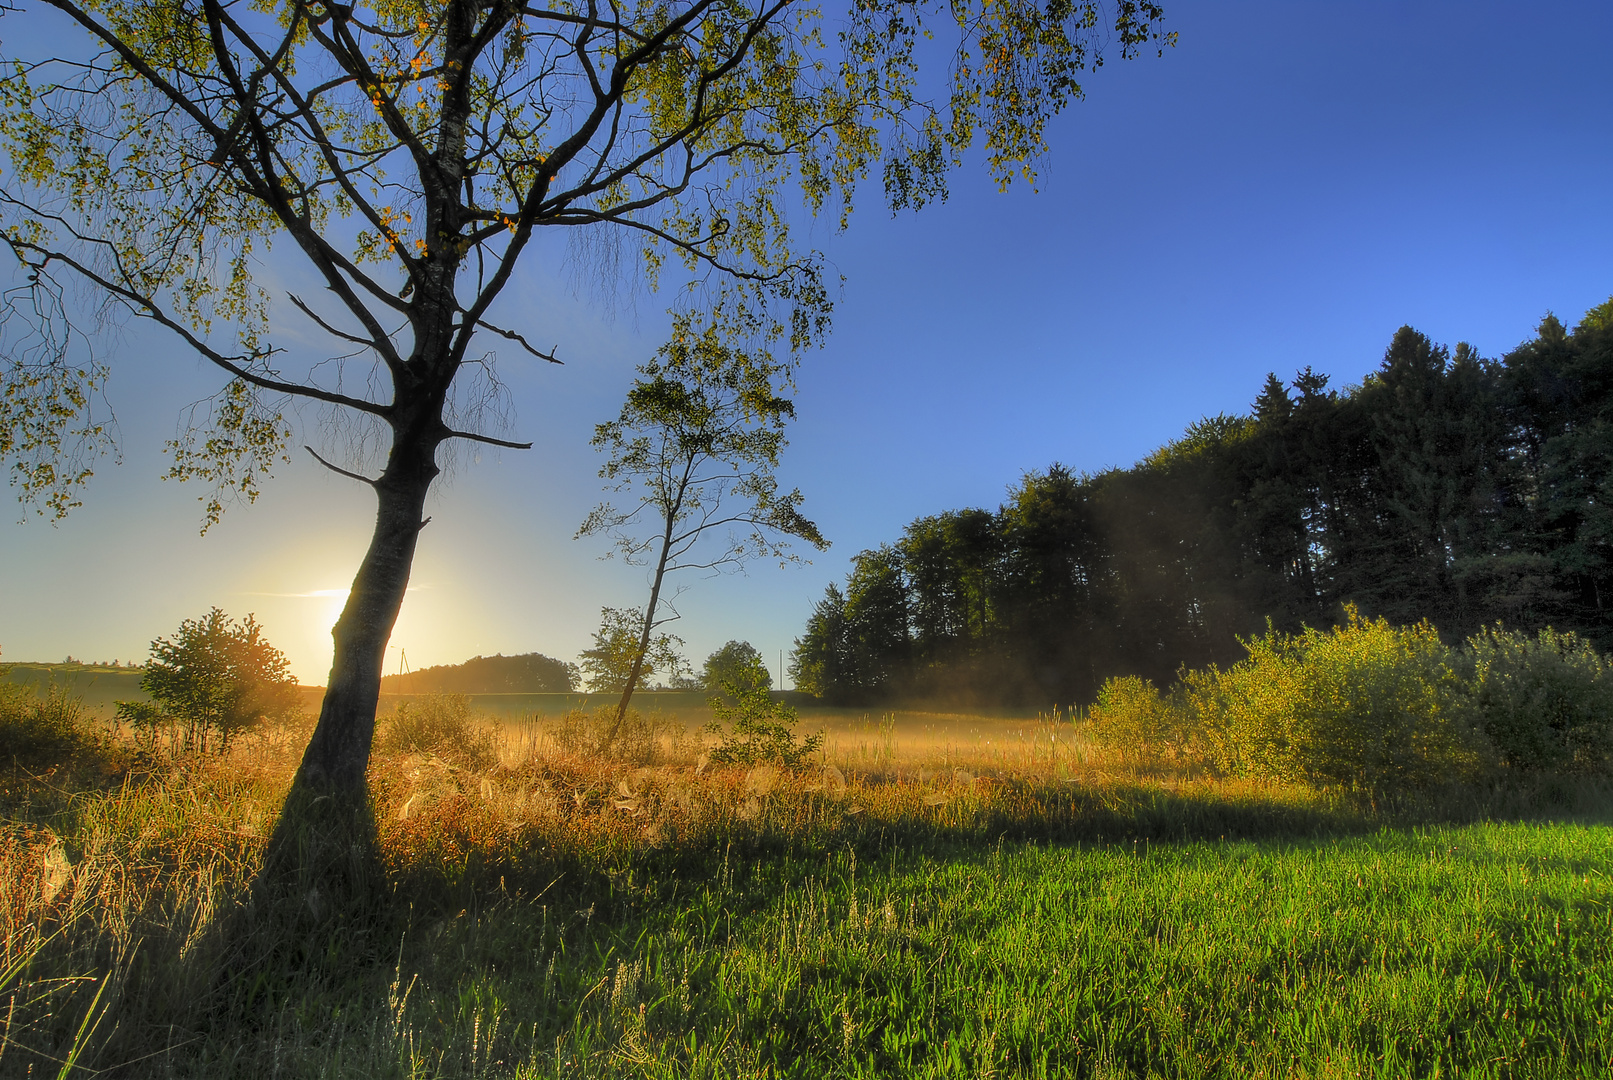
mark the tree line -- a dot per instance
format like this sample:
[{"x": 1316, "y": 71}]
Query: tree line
[
  {"x": 527, "y": 673},
  {"x": 1446, "y": 486}
]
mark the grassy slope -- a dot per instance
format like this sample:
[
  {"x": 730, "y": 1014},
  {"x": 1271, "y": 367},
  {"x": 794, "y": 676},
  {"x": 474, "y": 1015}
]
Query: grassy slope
[{"x": 97, "y": 688}]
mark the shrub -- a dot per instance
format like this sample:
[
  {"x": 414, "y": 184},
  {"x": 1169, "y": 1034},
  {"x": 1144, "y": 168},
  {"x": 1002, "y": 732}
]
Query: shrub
[
  {"x": 1131, "y": 715},
  {"x": 440, "y": 724},
  {"x": 43, "y": 730},
  {"x": 214, "y": 680},
  {"x": 1366, "y": 705},
  {"x": 1545, "y": 703},
  {"x": 758, "y": 728}
]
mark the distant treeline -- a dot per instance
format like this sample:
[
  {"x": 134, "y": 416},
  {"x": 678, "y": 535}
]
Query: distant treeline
[
  {"x": 1448, "y": 487},
  {"x": 530, "y": 673}
]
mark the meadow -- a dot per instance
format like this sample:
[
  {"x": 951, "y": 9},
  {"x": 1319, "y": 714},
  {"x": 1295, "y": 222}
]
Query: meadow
[{"x": 933, "y": 894}]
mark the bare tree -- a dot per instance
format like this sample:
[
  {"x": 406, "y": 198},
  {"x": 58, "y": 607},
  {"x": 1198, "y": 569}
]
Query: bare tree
[
  {"x": 697, "y": 442},
  {"x": 408, "y": 151}
]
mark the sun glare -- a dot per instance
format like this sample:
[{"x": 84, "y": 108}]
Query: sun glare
[
  {"x": 329, "y": 607},
  {"x": 299, "y": 621}
]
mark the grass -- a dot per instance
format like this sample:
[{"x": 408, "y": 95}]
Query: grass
[{"x": 956, "y": 896}]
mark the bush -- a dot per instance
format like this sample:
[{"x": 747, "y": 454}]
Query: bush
[
  {"x": 440, "y": 724},
  {"x": 43, "y": 731},
  {"x": 1131, "y": 715},
  {"x": 1545, "y": 703},
  {"x": 759, "y": 728},
  {"x": 215, "y": 679},
  {"x": 1379, "y": 709},
  {"x": 1368, "y": 706}
]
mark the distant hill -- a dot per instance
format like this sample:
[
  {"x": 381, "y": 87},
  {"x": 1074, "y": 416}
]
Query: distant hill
[
  {"x": 98, "y": 686},
  {"x": 529, "y": 673}
]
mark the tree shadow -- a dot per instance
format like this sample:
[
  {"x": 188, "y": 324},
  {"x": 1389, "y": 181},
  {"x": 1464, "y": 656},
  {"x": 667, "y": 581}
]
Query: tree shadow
[{"x": 318, "y": 913}]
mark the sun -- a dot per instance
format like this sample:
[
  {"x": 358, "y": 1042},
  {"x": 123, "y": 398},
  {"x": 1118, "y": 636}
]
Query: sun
[{"x": 329, "y": 606}]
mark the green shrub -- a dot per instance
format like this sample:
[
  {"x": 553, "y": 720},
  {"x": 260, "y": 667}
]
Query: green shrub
[
  {"x": 215, "y": 679},
  {"x": 1132, "y": 716},
  {"x": 1367, "y": 706},
  {"x": 43, "y": 730},
  {"x": 440, "y": 724},
  {"x": 757, "y": 728},
  {"x": 1545, "y": 703}
]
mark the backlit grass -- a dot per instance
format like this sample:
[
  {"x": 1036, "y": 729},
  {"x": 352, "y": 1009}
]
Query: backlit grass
[{"x": 1007, "y": 906}]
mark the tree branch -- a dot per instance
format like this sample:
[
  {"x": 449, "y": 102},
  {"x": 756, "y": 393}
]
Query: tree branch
[
  {"x": 473, "y": 437},
  {"x": 147, "y": 307},
  {"x": 519, "y": 340},
  {"x": 341, "y": 471}
]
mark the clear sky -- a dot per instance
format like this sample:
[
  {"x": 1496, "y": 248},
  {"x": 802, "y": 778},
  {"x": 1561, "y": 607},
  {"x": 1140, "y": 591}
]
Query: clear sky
[{"x": 1285, "y": 188}]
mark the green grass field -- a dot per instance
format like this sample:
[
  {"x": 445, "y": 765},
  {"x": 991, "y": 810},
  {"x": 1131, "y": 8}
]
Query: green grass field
[
  {"x": 1483, "y": 950},
  {"x": 981, "y": 896}
]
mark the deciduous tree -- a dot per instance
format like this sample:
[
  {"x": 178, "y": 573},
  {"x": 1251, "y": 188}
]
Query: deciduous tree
[
  {"x": 409, "y": 153},
  {"x": 695, "y": 445},
  {"x": 213, "y": 680},
  {"x": 618, "y": 655},
  {"x": 739, "y": 664}
]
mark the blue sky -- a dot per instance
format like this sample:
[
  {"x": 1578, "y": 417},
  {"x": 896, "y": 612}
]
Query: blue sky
[{"x": 1285, "y": 188}]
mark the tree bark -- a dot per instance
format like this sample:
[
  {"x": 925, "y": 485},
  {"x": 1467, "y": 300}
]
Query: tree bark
[{"x": 338, "y": 754}]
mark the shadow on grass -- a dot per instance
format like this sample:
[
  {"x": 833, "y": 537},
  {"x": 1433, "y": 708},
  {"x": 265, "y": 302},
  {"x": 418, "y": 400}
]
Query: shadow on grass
[
  {"x": 318, "y": 910},
  {"x": 610, "y": 861},
  {"x": 223, "y": 952}
]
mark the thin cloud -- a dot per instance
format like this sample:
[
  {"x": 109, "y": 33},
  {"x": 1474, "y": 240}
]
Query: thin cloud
[{"x": 319, "y": 594}]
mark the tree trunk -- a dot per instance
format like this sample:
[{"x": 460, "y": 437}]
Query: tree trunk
[
  {"x": 338, "y": 755},
  {"x": 320, "y": 897},
  {"x": 671, "y": 518},
  {"x": 643, "y": 651}
]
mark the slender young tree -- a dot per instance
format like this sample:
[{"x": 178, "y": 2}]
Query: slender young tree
[
  {"x": 696, "y": 443},
  {"x": 409, "y": 153}
]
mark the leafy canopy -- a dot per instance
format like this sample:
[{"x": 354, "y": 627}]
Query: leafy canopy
[
  {"x": 737, "y": 663},
  {"x": 696, "y": 444},
  {"x": 411, "y": 150}
]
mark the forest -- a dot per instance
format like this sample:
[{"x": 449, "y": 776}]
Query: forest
[{"x": 1445, "y": 487}]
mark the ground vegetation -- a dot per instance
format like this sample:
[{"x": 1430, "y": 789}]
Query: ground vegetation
[{"x": 1026, "y": 904}]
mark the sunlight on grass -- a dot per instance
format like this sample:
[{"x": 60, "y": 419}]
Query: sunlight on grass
[{"x": 935, "y": 895}]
